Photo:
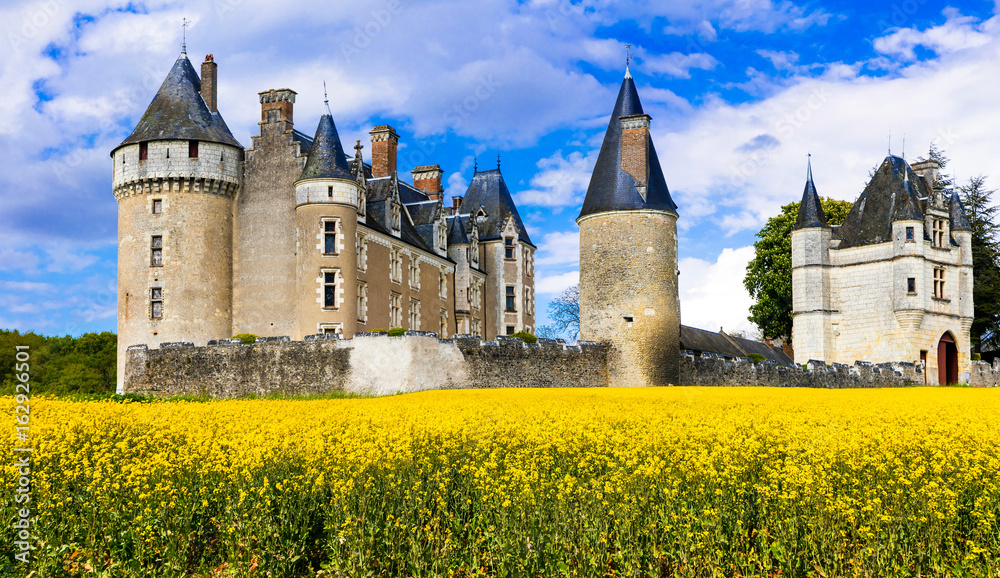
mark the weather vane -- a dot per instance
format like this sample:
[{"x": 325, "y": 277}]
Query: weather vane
[
  {"x": 628, "y": 55},
  {"x": 184, "y": 28},
  {"x": 325, "y": 99}
]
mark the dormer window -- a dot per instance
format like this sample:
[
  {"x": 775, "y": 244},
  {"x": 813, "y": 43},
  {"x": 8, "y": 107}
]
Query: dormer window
[
  {"x": 938, "y": 233},
  {"x": 396, "y": 218},
  {"x": 508, "y": 249},
  {"x": 443, "y": 236},
  {"x": 362, "y": 204},
  {"x": 474, "y": 248}
]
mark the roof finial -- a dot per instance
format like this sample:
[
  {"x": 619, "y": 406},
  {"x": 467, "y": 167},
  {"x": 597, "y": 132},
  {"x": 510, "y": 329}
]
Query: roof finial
[
  {"x": 904, "y": 146},
  {"x": 184, "y": 27},
  {"x": 628, "y": 60},
  {"x": 326, "y": 100},
  {"x": 475, "y": 164},
  {"x": 498, "y": 158},
  {"x": 890, "y": 142},
  {"x": 809, "y": 169}
]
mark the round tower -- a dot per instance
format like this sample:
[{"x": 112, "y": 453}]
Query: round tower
[
  {"x": 175, "y": 178},
  {"x": 628, "y": 253},
  {"x": 326, "y": 220}
]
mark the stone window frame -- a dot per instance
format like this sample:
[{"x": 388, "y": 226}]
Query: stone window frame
[
  {"x": 510, "y": 299},
  {"x": 326, "y": 235},
  {"x": 443, "y": 325},
  {"x": 511, "y": 329},
  {"x": 476, "y": 327},
  {"x": 157, "y": 206},
  {"x": 324, "y": 328},
  {"x": 362, "y": 302},
  {"x": 143, "y": 151},
  {"x": 396, "y": 264},
  {"x": 527, "y": 301},
  {"x": 396, "y": 216},
  {"x": 193, "y": 149},
  {"x": 443, "y": 284},
  {"x": 938, "y": 230},
  {"x": 156, "y": 250},
  {"x": 911, "y": 286},
  {"x": 443, "y": 235},
  {"x": 361, "y": 245},
  {"x": 362, "y": 204},
  {"x": 414, "y": 272},
  {"x": 476, "y": 298},
  {"x": 156, "y": 303},
  {"x": 325, "y": 285},
  {"x": 910, "y": 236},
  {"x": 395, "y": 310},
  {"x": 509, "y": 244},
  {"x": 474, "y": 248},
  {"x": 939, "y": 279},
  {"x": 414, "y": 314}
]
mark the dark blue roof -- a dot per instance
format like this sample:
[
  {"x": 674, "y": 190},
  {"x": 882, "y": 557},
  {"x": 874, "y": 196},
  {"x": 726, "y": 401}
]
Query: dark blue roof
[
  {"x": 326, "y": 155},
  {"x": 489, "y": 192},
  {"x": 959, "y": 222},
  {"x": 810, "y": 210},
  {"x": 178, "y": 112},
  {"x": 611, "y": 188},
  {"x": 891, "y": 195}
]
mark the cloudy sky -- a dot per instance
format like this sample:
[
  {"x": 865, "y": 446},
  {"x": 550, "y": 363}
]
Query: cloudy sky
[{"x": 739, "y": 91}]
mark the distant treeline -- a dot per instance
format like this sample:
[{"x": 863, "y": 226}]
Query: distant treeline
[{"x": 61, "y": 365}]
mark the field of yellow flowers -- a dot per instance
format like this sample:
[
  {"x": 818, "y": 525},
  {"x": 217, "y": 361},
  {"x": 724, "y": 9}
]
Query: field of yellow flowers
[{"x": 611, "y": 482}]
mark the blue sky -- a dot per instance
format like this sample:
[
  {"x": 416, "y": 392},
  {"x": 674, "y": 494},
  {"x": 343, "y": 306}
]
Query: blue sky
[{"x": 739, "y": 91}]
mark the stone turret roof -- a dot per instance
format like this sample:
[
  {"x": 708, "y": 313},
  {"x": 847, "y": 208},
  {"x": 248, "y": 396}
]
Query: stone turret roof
[
  {"x": 613, "y": 189},
  {"x": 890, "y": 196},
  {"x": 959, "y": 222},
  {"x": 489, "y": 192},
  {"x": 458, "y": 232},
  {"x": 178, "y": 112},
  {"x": 810, "y": 209},
  {"x": 326, "y": 155}
]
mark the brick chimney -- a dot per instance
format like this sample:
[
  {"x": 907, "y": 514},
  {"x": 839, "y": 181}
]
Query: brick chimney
[
  {"x": 384, "y": 142},
  {"x": 427, "y": 178},
  {"x": 276, "y": 105},
  {"x": 456, "y": 202},
  {"x": 210, "y": 82},
  {"x": 635, "y": 148}
]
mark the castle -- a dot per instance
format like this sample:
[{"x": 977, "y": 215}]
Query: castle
[
  {"x": 893, "y": 282},
  {"x": 294, "y": 237}
]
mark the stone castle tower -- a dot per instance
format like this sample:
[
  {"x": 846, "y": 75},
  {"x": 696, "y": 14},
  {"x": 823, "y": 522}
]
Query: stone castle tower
[
  {"x": 174, "y": 179},
  {"x": 628, "y": 253},
  {"x": 893, "y": 282}
]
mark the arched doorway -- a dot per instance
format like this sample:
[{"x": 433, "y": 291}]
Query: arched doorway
[{"x": 947, "y": 360}]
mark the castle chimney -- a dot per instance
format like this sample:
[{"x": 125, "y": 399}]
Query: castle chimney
[
  {"x": 276, "y": 105},
  {"x": 427, "y": 178},
  {"x": 928, "y": 169},
  {"x": 210, "y": 82},
  {"x": 384, "y": 141},
  {"x": 456, "y": 202},
  {"x": 635, "y": 149}
]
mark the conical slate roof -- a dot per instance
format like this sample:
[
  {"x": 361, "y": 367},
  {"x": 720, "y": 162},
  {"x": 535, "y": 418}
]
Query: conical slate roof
[
  {"x": 959, "y": 222},
  {"x": 178, "y": 112},
  {"x": 890, "y": 196},
  {"x": 326, "y": 157},
  {"x": 810, "y": 210},
  {"x": 611, "y": 188},
  {"x": 489, "y": 192}
]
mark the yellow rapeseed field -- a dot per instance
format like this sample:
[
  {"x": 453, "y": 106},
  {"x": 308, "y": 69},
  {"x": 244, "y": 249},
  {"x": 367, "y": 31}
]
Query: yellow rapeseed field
[{"x": 530, "y": 482}]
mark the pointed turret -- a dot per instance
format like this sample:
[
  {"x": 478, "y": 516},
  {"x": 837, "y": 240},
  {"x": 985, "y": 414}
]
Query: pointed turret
[
  {"x": 326, "y": 158},
  {"x": 810, "y": 209},
  {"x": 627, "y": 175},
  {"x": 179, "y": 112},
  {"x": 489, "y": 192},
  {"x": 959, "y": 222}
]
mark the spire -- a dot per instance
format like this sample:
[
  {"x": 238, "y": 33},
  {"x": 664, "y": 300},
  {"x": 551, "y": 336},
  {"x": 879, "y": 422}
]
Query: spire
[
  {"x": 184, "y": 38},
  {"x": 959, "y": 222},
  {"x": 179, "y": 112},
  {"x": 326, "y": 157},
  {"x": 498, "y": 159},
  {"x": 810, "y": 209},
  {"x": 628, "y": 60}
]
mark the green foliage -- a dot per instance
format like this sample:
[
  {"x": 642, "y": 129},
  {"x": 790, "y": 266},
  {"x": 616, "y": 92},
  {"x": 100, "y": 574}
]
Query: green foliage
[
  {"x": 397, "y": 332},
  {"x": 61, "y": 365},
  {"x": 981, "y": 212},
  {"x": 246, "y": 338},
  {"x": 976, "y": 356},
  {"x": 525, "y": 337},
  {"x": 756, "y": 358},
  {"x": 769, "y": 273}
]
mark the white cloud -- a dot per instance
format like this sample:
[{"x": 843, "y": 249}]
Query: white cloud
[
  {"x": 712, "y": 294},
  {"x": 957, "y": 33},
  {"x": 555, "y": 284},
  {"x": 558, "y": 248},
  {"x": 562, "y": 180},
  {"x": 677, "y": 64}
]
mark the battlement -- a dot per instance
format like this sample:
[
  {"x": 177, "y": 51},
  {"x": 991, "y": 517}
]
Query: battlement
[{"x": 716, "y": 371}]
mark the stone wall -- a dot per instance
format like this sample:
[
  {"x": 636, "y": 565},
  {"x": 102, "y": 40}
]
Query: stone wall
[
  {"x": 373, "y": 364},
  {"x": 985, "y": 375},
  {"x": 712, "y": 371}
]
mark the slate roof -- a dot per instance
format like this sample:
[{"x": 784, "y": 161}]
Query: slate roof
[
  {"x": 458, "y": 230},
  {"x": 489, "y": 192},
  {"x": 701, "y": 340},
  {"x": 326, "y": 155},
  {"x": 305, "y": 141},
  {"x": 178, "y": 112},
  {"x": 611, "y": 188},
  {"x": 770, "y": 353},
  {"x": 890, "y": 196},
  {"x": 959, "y": 222},
  {"x": 810, "y": 210}
]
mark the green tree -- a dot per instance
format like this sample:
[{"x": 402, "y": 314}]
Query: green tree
[
  {"x": 769, "y": 273},
  {"x": 979, "y": 209},
  {"x": 61, "y": 365}
]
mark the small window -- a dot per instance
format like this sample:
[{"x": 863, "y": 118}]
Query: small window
[
  {"x": 628, "y": 319},
  {"x": 330, "y": 237},
  {"x": 331, "y": 329},
  {"x": 329, "y": 192},
  {"x": 156, "y": 303},
  {"x": 938, "y": 228},
  {"x": 909, "y": 235},
  {"x": 414, "y": 272},
  {"x": 510, "y": 330},
  {"x": 362, "y": 244},
  {"x": 911, "y": 285},
  {"x": 156, "y": 249},
  {"x": 508, "y": 248},
  {"x": 143, "y": 151},
  {"x": 510, "y": 298},
  {"x": 395, "y": 310},
  {"x": 443, "y": 332},
  {"x": 414, "y": 315},
  {"x": 443, "y": 284},
  {"x": 939, "y": 283},
  {"x": 157, "y": 206},
  {"x": 192, "y": 149},
  {"x": 362, "y": 302},
  {"x": 330, "y": 289}
]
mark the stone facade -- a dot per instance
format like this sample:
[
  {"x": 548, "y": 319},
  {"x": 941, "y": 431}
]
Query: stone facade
[{"x": 907, "y": 296}]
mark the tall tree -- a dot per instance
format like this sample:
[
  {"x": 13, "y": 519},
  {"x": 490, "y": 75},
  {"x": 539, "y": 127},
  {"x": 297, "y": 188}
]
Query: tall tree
[
  {"x": 565, "y": 312},
  {"x": 979, "y": 209},
  {"x": 769, "y": 273}
]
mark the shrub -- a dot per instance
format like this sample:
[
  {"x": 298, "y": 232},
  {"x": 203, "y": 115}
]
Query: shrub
[
  {"x": 525, "y": 337},
  {"x": 756, "y": 358},
  {"x": 246, "y": 338},
  {"x": 977, "y": 357},
  {"x": 397, "y": 332}
]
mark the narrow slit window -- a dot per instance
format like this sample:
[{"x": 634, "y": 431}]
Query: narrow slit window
[
  {"x": 510, "y": 298},
  {"x": 330, "y": 237},
  {"x": 909, "y": 235},
  {"x": 911, "y": 285},
  {"x": 330, "y": 289}
]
